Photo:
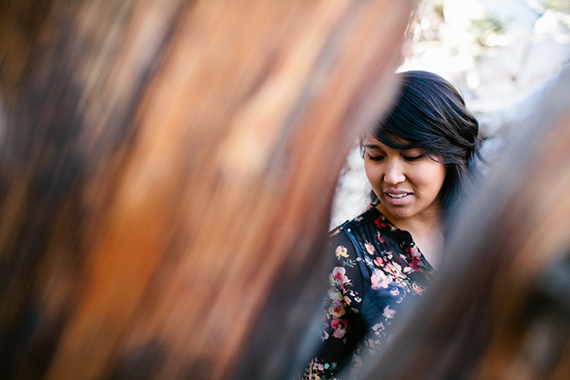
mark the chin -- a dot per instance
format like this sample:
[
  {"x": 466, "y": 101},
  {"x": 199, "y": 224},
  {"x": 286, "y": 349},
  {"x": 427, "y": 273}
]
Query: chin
[{"x": 399, "y": 213}]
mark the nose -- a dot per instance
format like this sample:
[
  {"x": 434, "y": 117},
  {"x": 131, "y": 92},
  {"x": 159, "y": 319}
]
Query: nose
[{"x": 394, "y": 173}]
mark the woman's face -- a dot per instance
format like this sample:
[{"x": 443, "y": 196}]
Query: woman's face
[{"x": 407, "y": 182}]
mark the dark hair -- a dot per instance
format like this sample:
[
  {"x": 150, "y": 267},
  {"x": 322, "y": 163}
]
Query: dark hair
[{"x": 430, "y": 114}]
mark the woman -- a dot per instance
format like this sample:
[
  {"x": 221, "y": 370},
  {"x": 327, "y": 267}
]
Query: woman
[{"x": 417, "y": 161}]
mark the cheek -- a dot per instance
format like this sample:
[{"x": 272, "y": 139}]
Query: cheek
[
  {"x": 432, "y": 177},
  {"x": 374, "y": 178},
  {"x": 372, "y": 173}
]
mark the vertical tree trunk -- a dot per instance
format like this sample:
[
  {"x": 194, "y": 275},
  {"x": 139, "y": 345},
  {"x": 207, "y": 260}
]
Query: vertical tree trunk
[
  {"x": 166, "y": 175},
  {"x": 500, "y": 307}
]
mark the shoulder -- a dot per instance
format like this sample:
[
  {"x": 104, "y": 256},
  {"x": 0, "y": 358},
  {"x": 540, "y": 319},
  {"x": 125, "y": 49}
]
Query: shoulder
[
  {"x": 371, "y": 217},
  {"x": 351, "y": 238}
]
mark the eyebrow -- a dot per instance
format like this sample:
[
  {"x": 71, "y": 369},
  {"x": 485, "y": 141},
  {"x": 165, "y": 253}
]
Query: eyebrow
[{"x": 371, "y": 146}]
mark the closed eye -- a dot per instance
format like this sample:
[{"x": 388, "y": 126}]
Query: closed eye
[
  {"x": 375, "y": 158},
  {"x": 413, "y": 158}
]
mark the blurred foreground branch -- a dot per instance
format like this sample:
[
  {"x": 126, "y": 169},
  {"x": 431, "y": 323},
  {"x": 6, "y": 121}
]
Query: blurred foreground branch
[
  {"x": 166, "y": 175},
  {"x": 500, "y": 309}
]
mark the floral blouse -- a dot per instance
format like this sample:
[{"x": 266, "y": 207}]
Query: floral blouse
[{"x": 378, "y": 270}]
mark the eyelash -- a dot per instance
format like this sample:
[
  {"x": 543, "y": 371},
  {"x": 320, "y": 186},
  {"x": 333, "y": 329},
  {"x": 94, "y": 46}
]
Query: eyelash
[{"x": 407, "y": 158}]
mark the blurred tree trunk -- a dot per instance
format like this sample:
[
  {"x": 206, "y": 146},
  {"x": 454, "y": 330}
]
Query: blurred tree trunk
[
  {"x": 500, "y": 308},
  {"x": 166, "y": 175}
]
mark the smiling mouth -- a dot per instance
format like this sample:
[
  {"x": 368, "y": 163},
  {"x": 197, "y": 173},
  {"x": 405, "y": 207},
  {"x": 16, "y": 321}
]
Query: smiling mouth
[{"x": 400, "y": 195}]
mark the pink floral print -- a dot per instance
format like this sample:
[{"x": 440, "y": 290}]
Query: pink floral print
[{"x": 378, "y": 268}]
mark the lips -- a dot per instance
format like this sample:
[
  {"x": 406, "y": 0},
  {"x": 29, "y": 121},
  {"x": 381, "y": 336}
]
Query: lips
[
  {"x": 397, "y": 193},
  {"x": 397, "y": 197},
  {"x": 400, "y": 195}
]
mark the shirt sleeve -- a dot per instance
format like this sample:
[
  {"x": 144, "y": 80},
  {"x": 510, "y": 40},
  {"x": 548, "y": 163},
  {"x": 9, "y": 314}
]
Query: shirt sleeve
[{"x": 343, "y": 328}]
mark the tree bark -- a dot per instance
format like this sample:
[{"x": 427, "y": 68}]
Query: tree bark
[
  {"x": 166, "y": 175},
  {"x": 499, "y": 308}
]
